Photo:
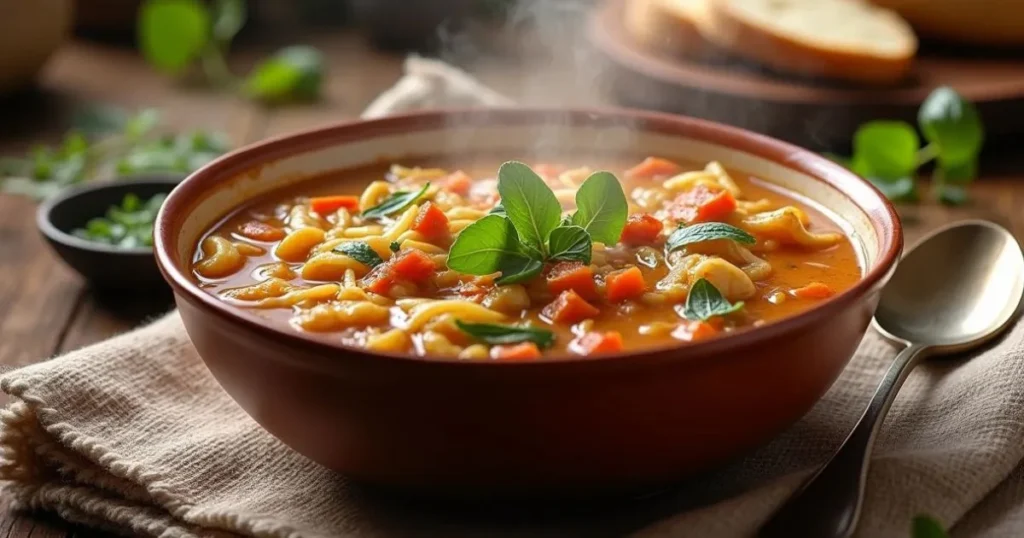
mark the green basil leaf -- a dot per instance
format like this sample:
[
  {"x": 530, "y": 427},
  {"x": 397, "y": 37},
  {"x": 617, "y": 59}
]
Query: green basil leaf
[
  {"x": 705, "y": 302},
  {"x": 885, "y": 150},
  {"x": 228, "y": 18},
  {"x": 398, "y": 201},
  {"x": 23, "y": 186},
  {"x": 294, "y": 73},
  {"x": 952, "y": 123},
  {"x": 151, "y": 159},
  {"x": 131, "y": 202},
  {"x": 901, "y": 190},
  {"x": 394, "y": 246},
  {"x": 515, "y": 269},
  {"x": 173, "y": 33},
  {"x": 927, "y": 527},
  {"x": 707, "y": 231},
  {"x": 570, "y": 243},
  {"x": 529, "y": 203},
  {"x": 506, "y": 334},
  {"x": 360, "y": 252},
  {"x": 601, "y": 208},
  {"x": 962, "y": 172},
  {"x": 491, "y": 245}
]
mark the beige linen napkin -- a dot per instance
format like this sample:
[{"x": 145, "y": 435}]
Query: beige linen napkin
[{"x": 134, "y": 435}]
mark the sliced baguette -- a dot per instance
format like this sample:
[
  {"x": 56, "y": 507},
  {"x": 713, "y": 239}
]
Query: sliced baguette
[
  {"x": 666, "y": 25},
  {"x": 839, "y": 39}
]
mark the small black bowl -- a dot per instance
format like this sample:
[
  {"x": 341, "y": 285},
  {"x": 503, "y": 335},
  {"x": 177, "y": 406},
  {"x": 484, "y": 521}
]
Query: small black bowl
[{"x": 106, "y": 267}]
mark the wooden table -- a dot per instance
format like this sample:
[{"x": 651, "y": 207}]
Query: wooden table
[{"x": 44, "y": 308}]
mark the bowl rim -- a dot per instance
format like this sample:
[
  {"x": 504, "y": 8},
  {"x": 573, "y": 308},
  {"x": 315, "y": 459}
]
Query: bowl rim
[
  {"x": 45, "y": 211},
  {"x": 883, "y": 218}
]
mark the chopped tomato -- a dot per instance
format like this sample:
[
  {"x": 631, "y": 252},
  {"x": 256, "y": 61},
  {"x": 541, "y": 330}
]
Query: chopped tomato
[
  {"x": 458, "y": 182},
  {"x": 329, "y": 204},
  {"x": 652, "y": 168},
  {"x": 572, "y": 276},
  {"x": 695, "y": 331},
  {"x": 431, "y": 222},
  {"x": 594, "y": 343},
  {"x": 413, "y": 265},
  {"x": 525, "y": 351},
  {"x": 379, "y": 280},
  {"x": 641, "y": 229},
  {"x": 261, "y": 231},
  {"x": 814, "y": 290},
  {"x": 624, "y": 284},
  {"x": 702, "y": 204},
  {"x": 569, "y": 308}
]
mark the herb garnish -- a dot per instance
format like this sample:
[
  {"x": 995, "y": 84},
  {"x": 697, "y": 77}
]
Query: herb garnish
[
  {"x": 108, "y": 142},
  {"x": 360, "y": 252},
  {"x": 705, "y": 302},
  {"x": 394, "y": 246},
  {"x": 888, "y": 153},
  {"x": 176, "y": 34},
  {"x": 506, "y": 334},
  {"x": 129, "y": 225},
  {"x": 531, "y": 231},
  {"x": 707, "y": 231},
  {"x": 398, "y": 201}
]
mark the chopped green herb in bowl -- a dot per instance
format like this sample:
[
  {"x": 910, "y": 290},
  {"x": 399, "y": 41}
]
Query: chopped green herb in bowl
[{"x": 128, "y": 225}]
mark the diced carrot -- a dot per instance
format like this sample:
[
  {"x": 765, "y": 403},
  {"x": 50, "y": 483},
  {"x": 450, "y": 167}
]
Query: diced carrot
[
  {"x": 594, "y": 343},
  {"x": 653, "y": 167},
  {"x": 413, "y": 265},
  {"x": 379, "y": 281},
  {"x": 329, "y": 204},
  {"x": 695, "y": 331},
  {"x": 572, "y": 276},
  {"x": 641, "y": 229},
  {"x": 431, "y": 222},
  {"x": 814, "y": 290},
  {"x": 261, "y": 231},
  {"x": 569, "y": 308},
  {"x": 525, "y": 351},
  {"x": 624, "y": 284},
  {"x": 702, "y": 204},
  {"x": 458, "y": 182}
]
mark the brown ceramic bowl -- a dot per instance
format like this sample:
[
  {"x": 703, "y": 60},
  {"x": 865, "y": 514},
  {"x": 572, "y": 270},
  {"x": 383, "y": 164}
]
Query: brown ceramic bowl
[{"x": 566, "y": 426}]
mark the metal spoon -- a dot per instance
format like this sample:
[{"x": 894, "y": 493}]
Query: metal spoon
[{"x": 958, "y": 288}]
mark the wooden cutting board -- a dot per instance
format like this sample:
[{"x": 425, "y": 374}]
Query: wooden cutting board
[{"x": 806, "y": 112}]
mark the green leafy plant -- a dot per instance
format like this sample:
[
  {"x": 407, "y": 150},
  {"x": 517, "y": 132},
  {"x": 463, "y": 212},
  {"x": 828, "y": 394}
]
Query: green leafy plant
[
  {"x": 129, "y": 225},
  {"x": 506, "y": 334},
  {"x": 528, "y": 230},
  {"x": 705, "y": 302},
  {"x": 175, "y": 35},
  {"x": 108, "y": 143},
  {"x": 889, "y": 153}
]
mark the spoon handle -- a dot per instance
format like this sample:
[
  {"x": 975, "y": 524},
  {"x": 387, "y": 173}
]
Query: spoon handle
[{"x": 828, "y": 504}]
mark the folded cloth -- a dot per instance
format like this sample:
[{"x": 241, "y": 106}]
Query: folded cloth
[{"x": 134, "y": 435}]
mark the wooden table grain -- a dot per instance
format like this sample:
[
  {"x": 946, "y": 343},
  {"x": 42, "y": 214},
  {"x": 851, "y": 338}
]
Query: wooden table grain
[{"x": 45, "y": 309}]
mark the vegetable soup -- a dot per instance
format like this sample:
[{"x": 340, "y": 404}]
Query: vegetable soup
[{"x": 479, "y": 260}]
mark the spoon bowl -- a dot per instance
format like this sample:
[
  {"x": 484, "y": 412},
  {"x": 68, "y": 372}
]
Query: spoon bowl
[{"x": 977, "y": 266}]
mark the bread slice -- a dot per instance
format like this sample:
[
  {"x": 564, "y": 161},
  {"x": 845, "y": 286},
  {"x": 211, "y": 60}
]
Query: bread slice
[
  {"x": 666, "y": 25},
  {"x": 840, "y": 39}
]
